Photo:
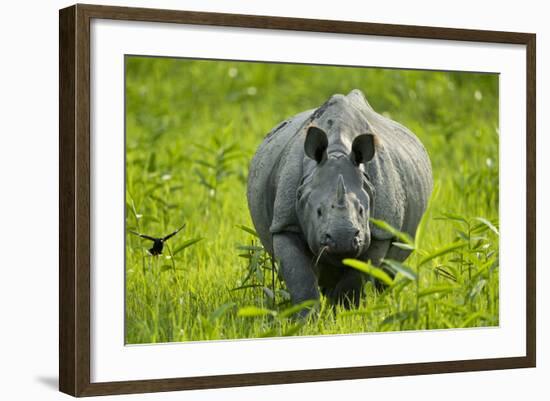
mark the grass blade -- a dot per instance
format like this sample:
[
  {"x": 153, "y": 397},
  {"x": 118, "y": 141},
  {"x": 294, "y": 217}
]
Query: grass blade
[
  {"x": 250, "y": 248},
  {"x": 402, "y": 245},
  {"x": 293, "y": 330},
  {"x": 435, "y": 290},
  {"x": 222, "y": 310},
  {"x": 488, "y": 224},
  {"x": 453, "y": 217},
  {"x": 245, "y": 287},
  {"x": 398, "y": 317},
  {"x": 476, "y": 290},
  {"x": 187, "y": 244},
  {"x": 441, "y": 251},
  {"x": 297, "y": 308},
  {"x": 248, "y": 230},
  {"x": 362, "y": 312},
  {"x": 473, "y": 317}
]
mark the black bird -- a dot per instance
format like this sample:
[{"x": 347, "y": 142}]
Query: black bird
[{"x": 158, "y": 243}]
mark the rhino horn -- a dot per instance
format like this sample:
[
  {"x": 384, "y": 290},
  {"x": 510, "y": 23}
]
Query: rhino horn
[{"x": 340, "y": 191}]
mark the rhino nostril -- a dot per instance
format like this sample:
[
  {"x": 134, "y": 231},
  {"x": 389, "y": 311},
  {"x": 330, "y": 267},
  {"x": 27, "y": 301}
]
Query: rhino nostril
[
  {"x": 356, "y": 243},
  {"x": 357, "y": 233},
  {"x": 327, "y": 240}
]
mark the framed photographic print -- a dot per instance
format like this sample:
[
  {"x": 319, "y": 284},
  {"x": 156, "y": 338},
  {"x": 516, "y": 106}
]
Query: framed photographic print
[{"x": 250, "y": 200}]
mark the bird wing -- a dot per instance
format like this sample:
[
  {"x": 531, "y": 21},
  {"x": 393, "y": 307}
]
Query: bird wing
[
  {"x": 143, "y": 236},
  {"x": 174, "y": 233}
]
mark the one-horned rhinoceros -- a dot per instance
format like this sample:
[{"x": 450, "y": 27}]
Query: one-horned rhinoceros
[{"x": 315, "y": 181}]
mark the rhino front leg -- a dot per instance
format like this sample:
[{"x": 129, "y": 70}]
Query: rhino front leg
[
  {"x": 349, "y": 289},
  {"x": 377, "y": 251},
  {"x": 295, "y": 262}
]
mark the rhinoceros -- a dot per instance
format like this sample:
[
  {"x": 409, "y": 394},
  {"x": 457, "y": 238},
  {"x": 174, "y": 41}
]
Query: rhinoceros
[{"x": 315, "y": 181}]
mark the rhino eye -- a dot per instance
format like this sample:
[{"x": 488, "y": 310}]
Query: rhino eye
[
  {"x": 361, "y": 211},
  {"x": 319, "y": 212}
]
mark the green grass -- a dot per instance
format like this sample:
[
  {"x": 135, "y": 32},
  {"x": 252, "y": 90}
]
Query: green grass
[{"x": 191, "y": 129}]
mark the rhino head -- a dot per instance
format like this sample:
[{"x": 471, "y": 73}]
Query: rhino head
[{"x": 335, "y": 200}]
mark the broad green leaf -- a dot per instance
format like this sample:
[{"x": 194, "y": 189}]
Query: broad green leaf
[
  {"x": 254, "y": 311},
  {"x": 367, "y": 267},
  {"x": 401, "y": 268},
  {"x": 404, "y": 237},
  {"x": 440, "y": 252}
]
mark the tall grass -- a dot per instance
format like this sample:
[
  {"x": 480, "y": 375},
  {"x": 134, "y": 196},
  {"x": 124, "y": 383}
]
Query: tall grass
[{"x": 192, "y": 127}]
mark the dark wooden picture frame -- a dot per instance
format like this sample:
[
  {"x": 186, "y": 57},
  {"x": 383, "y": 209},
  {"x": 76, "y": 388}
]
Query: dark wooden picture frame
[{"x": 74, "y": 199}]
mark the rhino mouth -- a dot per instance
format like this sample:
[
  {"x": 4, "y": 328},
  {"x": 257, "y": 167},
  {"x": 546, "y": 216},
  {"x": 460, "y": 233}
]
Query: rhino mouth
[
  {"x": 335, "y": 255},
  {"x": 347, "y": 246}
]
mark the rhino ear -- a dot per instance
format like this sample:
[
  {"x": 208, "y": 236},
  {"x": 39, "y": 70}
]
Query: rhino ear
[
  {"x": 316, "y": 144},
  {"x": 363, "y": 148}
]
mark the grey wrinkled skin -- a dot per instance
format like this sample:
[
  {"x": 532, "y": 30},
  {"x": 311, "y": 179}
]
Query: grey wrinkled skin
[{"x": 317, "y": 178}]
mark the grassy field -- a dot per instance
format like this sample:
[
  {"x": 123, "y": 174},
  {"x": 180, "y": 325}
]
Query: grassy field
[{"x": 191, "y": 129}]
